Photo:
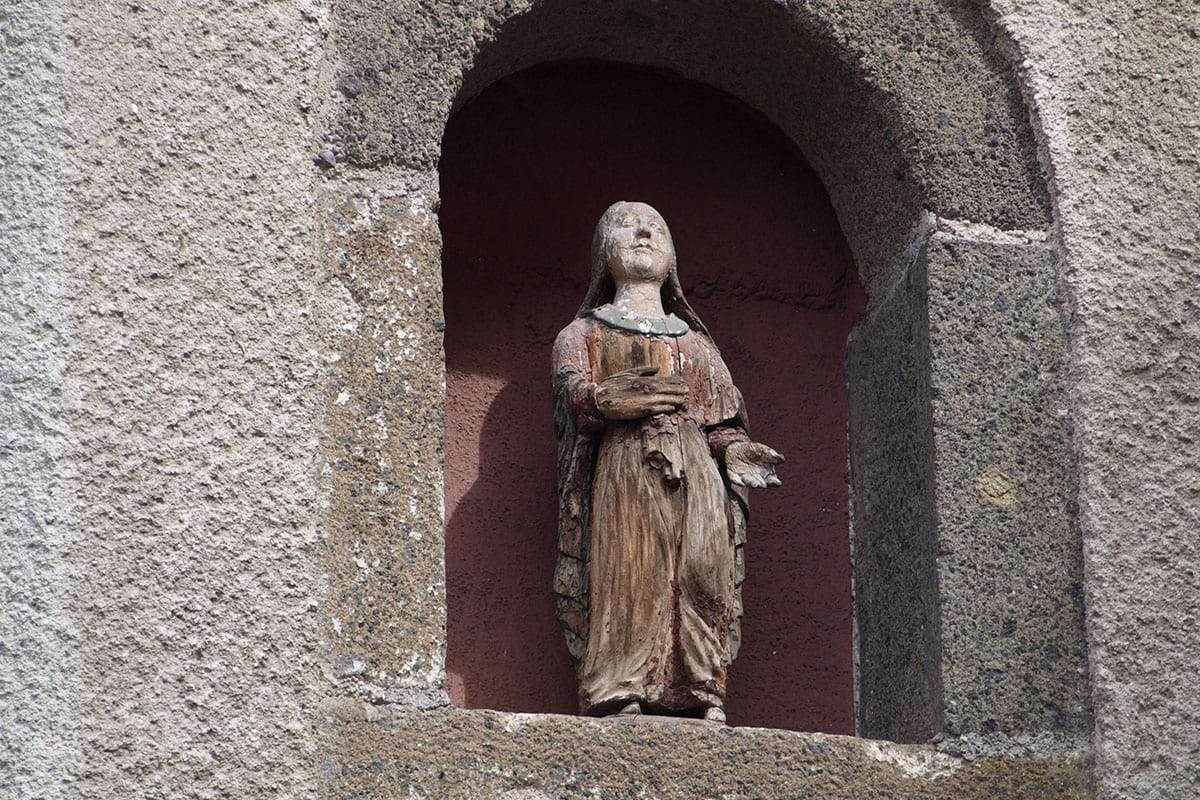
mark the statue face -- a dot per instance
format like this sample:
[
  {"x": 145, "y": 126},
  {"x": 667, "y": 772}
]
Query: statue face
[{"x": 637, "y": 244}]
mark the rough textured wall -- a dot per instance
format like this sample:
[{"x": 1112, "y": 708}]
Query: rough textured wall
[
  {"x": 162, "y": 366},
  {"x": 161, "y": 361},
  {"x": 1117, "y": 90},
  {"x": 34, "y": 632}
]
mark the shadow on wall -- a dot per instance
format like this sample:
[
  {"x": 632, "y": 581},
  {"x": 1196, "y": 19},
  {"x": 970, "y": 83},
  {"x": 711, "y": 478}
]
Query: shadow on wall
[{"x": 527, "y": 169}]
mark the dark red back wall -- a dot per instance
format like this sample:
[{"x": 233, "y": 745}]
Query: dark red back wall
[{"x": 527, "y": 169}]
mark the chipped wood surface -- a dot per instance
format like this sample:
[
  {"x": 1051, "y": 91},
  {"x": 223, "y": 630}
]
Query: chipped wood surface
[{"x": 650, "y": 531}]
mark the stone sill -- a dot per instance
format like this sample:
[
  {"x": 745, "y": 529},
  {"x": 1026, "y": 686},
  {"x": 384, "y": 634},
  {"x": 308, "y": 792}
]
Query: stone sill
[{"x": 384, "y": 752}]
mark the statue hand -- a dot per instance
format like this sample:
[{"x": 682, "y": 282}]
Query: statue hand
[
  {"x": 640, "y": 392},
  {"x": 752, "y": 464}
]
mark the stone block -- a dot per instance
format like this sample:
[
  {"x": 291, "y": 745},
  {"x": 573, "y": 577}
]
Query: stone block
[
  {"x": 1009, "y": 563},
  {"x": 968, "y": 557},
  {"x": 899, "y": 105},
  {"x": 382, "y": 442},
  {"x": 898, "y": 661},
  {"x": 480, "y": 755}
]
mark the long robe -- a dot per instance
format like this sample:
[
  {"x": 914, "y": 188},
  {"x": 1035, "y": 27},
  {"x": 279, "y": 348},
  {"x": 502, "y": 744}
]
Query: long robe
[{"x": 650, "y": 530}]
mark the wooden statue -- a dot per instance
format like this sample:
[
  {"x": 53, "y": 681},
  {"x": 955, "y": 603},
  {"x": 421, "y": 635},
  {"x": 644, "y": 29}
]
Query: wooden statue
[{"x": 654, "y": 462}]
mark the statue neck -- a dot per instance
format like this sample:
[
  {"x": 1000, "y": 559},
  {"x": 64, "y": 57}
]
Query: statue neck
[{"x": 640, "y": 299}]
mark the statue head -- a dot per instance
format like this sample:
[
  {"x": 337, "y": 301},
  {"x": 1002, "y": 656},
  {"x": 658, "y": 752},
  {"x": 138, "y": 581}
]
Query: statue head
[{"x": 632, "y": 242}]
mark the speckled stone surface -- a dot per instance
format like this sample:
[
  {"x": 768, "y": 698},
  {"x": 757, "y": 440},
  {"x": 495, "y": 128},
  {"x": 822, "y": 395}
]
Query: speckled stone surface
[
  {"x": 1009, "y": 555},
  {"x": 968, "y": 558},
  {"x": 898, "y": 665},
  {"x": 898, "y": 105},
  {"x": 486, "y": 755},
  {"x": 384, "y": 625}
]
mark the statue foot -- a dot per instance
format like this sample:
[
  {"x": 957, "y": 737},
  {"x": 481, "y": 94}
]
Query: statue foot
[
  {"x": 715, "y": 714},
  {"x": 633, "y": 707}
]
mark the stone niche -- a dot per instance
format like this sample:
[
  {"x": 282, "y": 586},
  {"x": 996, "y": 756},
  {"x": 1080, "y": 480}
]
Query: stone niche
[
  {"x": 526, "y": 170},
  {"x": 962, "y": 544}
]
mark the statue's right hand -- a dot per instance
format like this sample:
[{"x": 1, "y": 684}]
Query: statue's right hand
[{"x": 640, "y": 392}]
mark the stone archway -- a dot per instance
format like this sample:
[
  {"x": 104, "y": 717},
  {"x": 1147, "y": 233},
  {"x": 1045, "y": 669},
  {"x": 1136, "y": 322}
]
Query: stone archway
[
  {"x": 900, "y": 107},
  {"x": 966, "y": 548}
]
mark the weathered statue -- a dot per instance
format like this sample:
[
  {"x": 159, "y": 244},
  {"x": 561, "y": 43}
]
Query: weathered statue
[{"x": 654, "y": 461}]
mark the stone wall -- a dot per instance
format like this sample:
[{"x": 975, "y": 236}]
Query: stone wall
[
  {"x": 894, "y": 520},
  {"x": 164, "y": 350},
  {"x": 1116, "y": 87},
  {"x": 220, "y": 371}
]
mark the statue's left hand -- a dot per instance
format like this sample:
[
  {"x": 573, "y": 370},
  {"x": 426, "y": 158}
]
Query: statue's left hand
[{"x": 752, "y": 464}]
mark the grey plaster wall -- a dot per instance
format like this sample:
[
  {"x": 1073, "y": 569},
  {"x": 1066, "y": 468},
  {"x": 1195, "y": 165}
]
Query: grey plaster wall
[
  {"x": 34, "y": 629},
  {"x": 161, "y": 369}
]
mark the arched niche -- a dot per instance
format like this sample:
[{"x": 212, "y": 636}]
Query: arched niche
[
  {"x": 526, "y": 170},
  {"x": 966, "y": 551}
]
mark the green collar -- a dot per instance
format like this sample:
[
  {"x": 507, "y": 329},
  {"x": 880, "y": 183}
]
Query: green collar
[{"x": 670, "y": 325}]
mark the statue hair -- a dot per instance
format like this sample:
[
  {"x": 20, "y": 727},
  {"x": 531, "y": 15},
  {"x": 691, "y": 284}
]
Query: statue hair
[{"x": 602, "y": 289}]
